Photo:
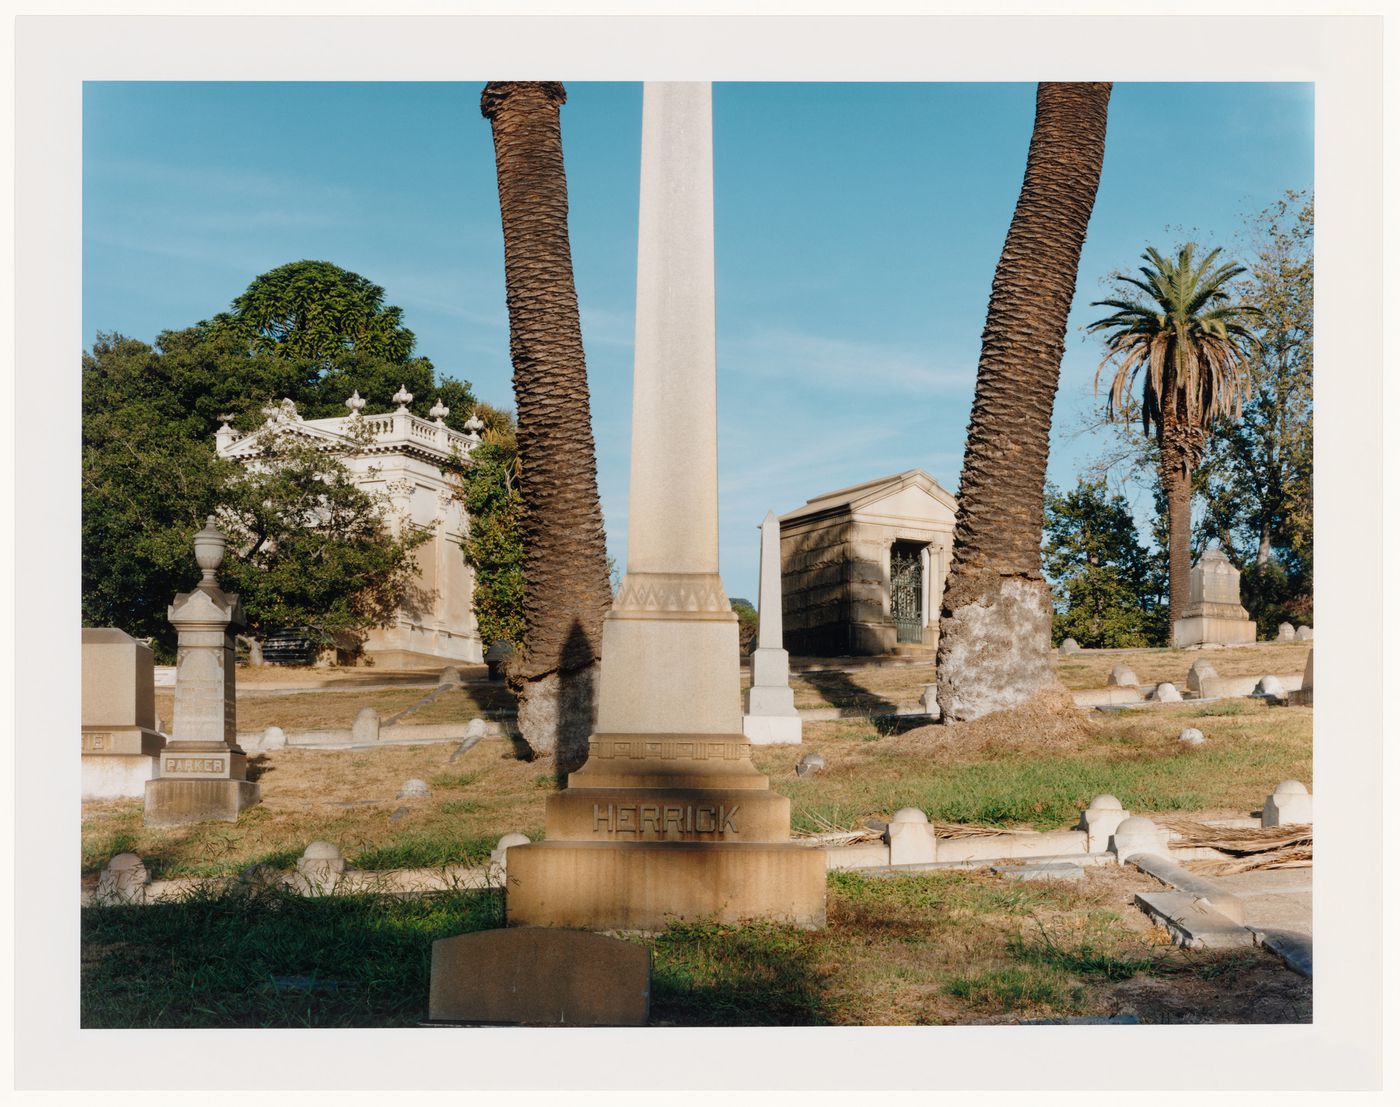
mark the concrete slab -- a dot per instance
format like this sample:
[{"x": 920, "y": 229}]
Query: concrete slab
[
  {"x": 1193, "y": 923},
  {"x": 1054, "y": 870}
]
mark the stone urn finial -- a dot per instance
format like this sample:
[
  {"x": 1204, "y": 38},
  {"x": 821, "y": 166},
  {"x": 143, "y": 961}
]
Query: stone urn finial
[
  {"x": 209, "y": 546},
  {"x": 356, "y": 404},
  {"x": 474, "y": 427},
  {"x": 439, "y": 411},
  {"x": 403, "y": 397}
]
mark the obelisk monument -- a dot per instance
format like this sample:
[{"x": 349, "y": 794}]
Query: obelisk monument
[
  {"x": 771, "y": 718},
  {"x": 668, "y": 819}
]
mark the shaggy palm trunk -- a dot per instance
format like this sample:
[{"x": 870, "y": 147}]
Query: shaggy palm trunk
[
  {"x": 1180, "y": 447},
  {"x": 567, "y": 592},
  {"x": 994, "y": 630}
]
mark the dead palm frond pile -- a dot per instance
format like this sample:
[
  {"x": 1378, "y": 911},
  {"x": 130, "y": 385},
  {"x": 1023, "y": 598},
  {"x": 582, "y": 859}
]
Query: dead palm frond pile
[{"x": 1248, "y": 848}]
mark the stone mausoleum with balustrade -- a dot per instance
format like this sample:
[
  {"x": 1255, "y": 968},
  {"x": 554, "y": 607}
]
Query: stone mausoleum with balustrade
[{"x": 400, "y": 458}]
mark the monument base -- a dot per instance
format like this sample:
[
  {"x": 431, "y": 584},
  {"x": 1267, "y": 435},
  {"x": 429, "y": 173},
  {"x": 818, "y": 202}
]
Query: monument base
[
  {"x": 175, "y": 802},
  {"x": 648, "y": 885},
  {"x": 117, "y": 775},
  {"x": 1197, "y": 630},
  {"x": 773, "y": 730}
]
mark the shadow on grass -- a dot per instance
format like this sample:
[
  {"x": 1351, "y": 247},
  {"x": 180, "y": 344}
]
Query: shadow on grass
[
  {"x": 839, "y": 690},
  {"x": 754, "y": 975},
  {"x": 270, "y": 958}
]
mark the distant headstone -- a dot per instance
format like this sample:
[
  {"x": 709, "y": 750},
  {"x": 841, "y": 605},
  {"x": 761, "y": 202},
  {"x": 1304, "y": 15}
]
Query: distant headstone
[
  {"x": 449, "y": 677},
  {"x": 1304, "y": 634},
  {"x": 413, "y": 788},
  {"x": 1192, "y": 737},
  {"x": 124, "y": 880},
  {"x": 121, "y": 734},
  {"x": 1201, "y": 673},
  {"x": 1166, "y": 693},
  {"x": 1286, "y": 633},
  {"x": 910, "y": 838},
  {"x": 1289, "y": 804},
  {"x": 1068, "y": 646},
  {"x": 1139, "y": 834},
  {"x": 1303, "y": 697},
  {"x": 476, "y": 728},
  {"x": 811, "y": 763},
  {"x": 274, "y": 738},
  {"x": 540, "y": 976},
  {"x": 1213, "y": 613},
  {"x": 1100, "y": 819},
  {"x": 1122, "y": 677},
  {"x": 320, "y": 867},
  {"x": 365, "y": 728},
  {"x": 1270, "y": 687}
]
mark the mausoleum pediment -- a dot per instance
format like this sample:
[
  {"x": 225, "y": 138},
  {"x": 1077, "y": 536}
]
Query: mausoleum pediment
[{"x": 912, "y": 495}]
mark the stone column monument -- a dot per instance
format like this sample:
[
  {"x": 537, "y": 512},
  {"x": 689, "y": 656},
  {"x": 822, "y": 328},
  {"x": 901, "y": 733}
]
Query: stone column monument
[
  {"x": 202, "y": 768},
  {"x": 1213, "y": 612},
  {"x": 668, "y": 819},
  {"x": 771, "y": 719}
]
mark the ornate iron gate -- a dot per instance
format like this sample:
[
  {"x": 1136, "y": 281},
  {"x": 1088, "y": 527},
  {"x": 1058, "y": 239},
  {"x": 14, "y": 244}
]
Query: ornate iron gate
[{"x": 906, "y": 593}]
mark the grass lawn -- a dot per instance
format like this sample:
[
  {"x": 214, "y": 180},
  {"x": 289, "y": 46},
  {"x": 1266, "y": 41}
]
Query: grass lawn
[
  {"x": 937, "y": 948},
  {"x": 1038, "y": 774}
]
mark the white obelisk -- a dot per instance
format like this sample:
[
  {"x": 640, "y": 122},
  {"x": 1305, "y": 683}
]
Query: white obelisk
[
  {"x": 771, "y": 718},
  {"x": 669, "y": 819}
]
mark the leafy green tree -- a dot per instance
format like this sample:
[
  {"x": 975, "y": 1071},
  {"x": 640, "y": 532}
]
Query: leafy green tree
[
  {"x": 1107, "y": 588},
  {"x": 495, "y": 548},
  {"x": 311, "y": 549},
  {"x": 1188, "y": 342}
]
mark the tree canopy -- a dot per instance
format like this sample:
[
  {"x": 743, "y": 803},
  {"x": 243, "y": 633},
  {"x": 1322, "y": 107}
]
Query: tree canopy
[{"x": 1107, "y": 587}]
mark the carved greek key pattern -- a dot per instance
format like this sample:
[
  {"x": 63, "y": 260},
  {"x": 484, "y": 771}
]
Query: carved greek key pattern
[{"x": 668, "y": 749}]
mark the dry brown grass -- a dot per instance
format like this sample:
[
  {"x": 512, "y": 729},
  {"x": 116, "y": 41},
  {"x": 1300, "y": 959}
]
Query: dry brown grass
[
  {"x": 346, "y": 797},
  {"x": 336, "y": 708},
  {"x": 1090, "y": 669}
]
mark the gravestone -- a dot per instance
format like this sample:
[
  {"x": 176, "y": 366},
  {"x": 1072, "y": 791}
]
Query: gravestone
[
  {"x": 1200, "y": 677},
  {"x": 1303, "y": 697},
  {"x": 203, "y": 770},
  {"x": 1270, "y": 687},
  {"x": 910, "y": 838},
  {"x": 1213, "y": 613},
  {"x": 1166, "y": 693},
  {"x": 413, "y": 788},
  {"x": 1289, "y": 804},
  {"x": 771, "y": 718},
  {"x": 1192, "y": 737},
  {"x": 1304, "y": 634},
  {"x": 1122, "y": 677},
  {"x": 365, "y": 728},
  {"x": 668, "y": 820},
  {"x": 1286, "y": 633},
  {"x": 1139, "y": 834},
  {"x": 124, "y": 880},
  {"x": 1068, "y": 646},
  {"x": 538, "y": 976},
  {"x": 121, "y": 739},
  {"x": 319, "y": 868},
  {"x": 1100, "y": 819},
  {"x": 811, "y": 763}
]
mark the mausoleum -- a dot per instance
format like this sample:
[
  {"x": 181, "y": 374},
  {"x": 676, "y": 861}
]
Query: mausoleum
[
  {"x": 863, "y": 567},
  {"x": 400, "y": 457}
]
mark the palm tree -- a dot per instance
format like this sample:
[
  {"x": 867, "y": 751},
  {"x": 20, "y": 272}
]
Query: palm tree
[
  {"x": 994, "y": 630},
  {"x": 567, "y": 591},
  {"x": 1190, "y": 345}
]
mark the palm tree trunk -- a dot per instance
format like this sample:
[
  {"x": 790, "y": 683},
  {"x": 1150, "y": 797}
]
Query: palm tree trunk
[
  {"x": 994, "y": 634},
  {"x": 567, "y": 592},
  {"x": 1174, "y": 471}
]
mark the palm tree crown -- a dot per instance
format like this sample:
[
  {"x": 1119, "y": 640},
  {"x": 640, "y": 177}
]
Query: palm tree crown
[{"x": 1187, "y": 339}]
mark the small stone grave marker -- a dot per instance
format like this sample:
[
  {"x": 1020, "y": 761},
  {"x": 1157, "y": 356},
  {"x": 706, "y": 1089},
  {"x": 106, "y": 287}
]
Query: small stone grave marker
[
  {"x": 811, "y": 763},
  {"x": 1122, "y": 677},
  {"x": 365, "y": 728}
]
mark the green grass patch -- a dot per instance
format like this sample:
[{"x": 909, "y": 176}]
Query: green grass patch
[
  {"x": 425, "y": 850},
  {"x": 270, "y": 960},
  {"x": 455, "y": 780},
  {"x": 1022, "y": 990}
]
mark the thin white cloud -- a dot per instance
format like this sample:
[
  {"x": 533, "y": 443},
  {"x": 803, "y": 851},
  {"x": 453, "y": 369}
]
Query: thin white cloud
[{"x": 821, "y": 361}]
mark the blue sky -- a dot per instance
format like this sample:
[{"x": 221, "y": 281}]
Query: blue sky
[{"x": 857, "y": 230}]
